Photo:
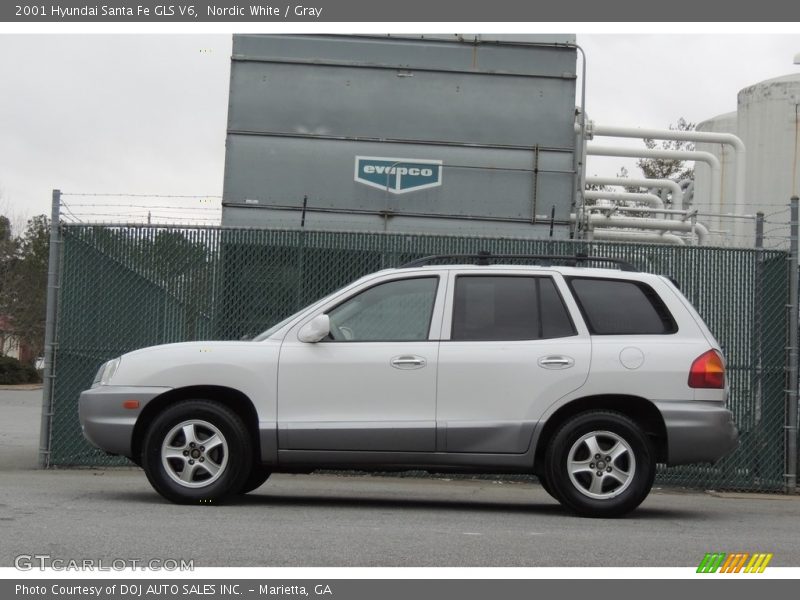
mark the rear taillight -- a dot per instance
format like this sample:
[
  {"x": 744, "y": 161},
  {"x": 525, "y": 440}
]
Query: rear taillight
[{"x": 708, "y": 371}]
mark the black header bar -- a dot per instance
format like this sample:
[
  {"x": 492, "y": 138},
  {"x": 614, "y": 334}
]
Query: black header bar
[{"x": 333, "y": 11}]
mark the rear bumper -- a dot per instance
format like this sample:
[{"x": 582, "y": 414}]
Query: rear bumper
[
  {"x": 698, "y": 432},
  {"x": 105, "y": 422}
]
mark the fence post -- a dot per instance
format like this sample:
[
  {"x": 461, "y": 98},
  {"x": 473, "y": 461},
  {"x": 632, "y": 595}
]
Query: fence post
[
  {"x": 759, "y": 230},
  {"x": 51, "y": 312},
  {"x": 758, "y": 347},
  {"x": 794, "y": 334}
]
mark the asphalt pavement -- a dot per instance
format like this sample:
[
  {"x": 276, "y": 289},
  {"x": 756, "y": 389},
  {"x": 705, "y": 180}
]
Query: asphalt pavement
[{"x": 327, "y": 520}]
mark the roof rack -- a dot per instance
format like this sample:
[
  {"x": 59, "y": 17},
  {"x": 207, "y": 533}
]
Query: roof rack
[{"x": 483, "y": 258}]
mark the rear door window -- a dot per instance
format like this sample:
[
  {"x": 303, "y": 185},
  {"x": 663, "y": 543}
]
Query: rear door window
[{"x": 494, "y": 308}]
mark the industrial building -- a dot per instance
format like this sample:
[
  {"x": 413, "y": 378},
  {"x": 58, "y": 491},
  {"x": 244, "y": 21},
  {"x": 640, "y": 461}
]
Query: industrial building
[
  {"x": 482, "y": 135},
  {"x": 429, "y": 134}
]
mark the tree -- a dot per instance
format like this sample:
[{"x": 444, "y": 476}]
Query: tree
[
  {"x": 23, "y": 295},
  {"x": 665, "y": 168},
  {"x": 621, "y": 174}
]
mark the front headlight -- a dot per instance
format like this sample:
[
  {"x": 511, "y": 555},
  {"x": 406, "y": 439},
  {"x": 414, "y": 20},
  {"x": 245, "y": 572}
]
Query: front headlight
[{"x": 106, "y": 372}]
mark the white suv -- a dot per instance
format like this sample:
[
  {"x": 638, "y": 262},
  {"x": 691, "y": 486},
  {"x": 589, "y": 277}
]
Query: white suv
[{"x": 585, "y": 377}]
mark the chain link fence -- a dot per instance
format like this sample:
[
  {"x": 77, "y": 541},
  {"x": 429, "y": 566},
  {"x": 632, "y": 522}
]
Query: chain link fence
[{"x": 126, "y": 287}]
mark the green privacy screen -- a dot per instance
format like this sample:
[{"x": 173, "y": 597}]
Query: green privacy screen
[{"x": 123, "y": 288}]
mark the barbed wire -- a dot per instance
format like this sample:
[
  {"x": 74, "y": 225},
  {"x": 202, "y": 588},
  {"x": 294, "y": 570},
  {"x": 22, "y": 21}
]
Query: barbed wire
[
  {"x": 131, "y": 195},
  {"x": 154, "y": 215},
  {"x": 66, "y": 206},
  {"x": 105, "y": 212},
  {"x": 148, "y": 206},
  {"x": 725, "y": 229}
]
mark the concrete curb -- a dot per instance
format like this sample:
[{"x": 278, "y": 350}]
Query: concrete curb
[{"x": 22, "y": 387}]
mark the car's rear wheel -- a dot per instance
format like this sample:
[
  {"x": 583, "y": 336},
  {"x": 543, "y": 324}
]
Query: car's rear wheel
[
  {"x": 600, "y": 464},
  {"x": 197, "y": 451},
  {"x": 546, "y": 485}
]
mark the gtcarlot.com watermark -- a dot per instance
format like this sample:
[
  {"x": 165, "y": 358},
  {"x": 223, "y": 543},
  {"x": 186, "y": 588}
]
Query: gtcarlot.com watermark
[{"x": 44, "y": 562}]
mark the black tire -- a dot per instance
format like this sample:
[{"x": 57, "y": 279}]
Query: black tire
[
  {"x": 623, "y": 483},
  {"x": 546, "y": 485},
  {"x": 258, "y": 475},
  {"x": 216, "y": 472}
]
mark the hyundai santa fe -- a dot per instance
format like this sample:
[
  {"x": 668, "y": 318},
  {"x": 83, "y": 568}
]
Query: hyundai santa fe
[{"x": 584, "y": 376}]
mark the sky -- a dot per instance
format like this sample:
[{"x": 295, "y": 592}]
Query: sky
[{"x": 146, "y": 114}]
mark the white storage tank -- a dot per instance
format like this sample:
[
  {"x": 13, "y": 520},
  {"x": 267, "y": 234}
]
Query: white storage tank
[
  {"x": 768, "y": 125},
  {"x": 723, "y": 232},
  {"x": 767, "y": 122}
]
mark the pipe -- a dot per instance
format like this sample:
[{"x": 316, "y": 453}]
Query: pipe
[
  {"x": 677, "y": 192},
  {"x": 644, "y": 223},
  {"x": 579, "y": 188},
  {"x": 649, "y": 199},
  {"x": 630, "y": 236},
  {"x": 580, "y": 172},
  {"x": 706, "y": 157},
  {"x": 688, "y": 136},
  {"x": 688, "y": 195},
  {"x": 658, "y": 211}
]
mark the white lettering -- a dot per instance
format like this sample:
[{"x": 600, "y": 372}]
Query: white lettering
[
  {"x": 224, "y": 11},
  {"x": 306, "y": 11}
]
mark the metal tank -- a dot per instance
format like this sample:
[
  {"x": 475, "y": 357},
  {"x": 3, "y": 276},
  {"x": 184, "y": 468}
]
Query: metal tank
[
  {"x": 439, "y": 134},
  {"x": 723, "y": 231},
  {"x": 767, "y": 122},
  {"x": 770, "y": 129}
]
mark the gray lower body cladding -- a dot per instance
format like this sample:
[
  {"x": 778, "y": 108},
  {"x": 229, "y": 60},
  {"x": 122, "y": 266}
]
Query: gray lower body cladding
[
  {"x": 474, "y": 437},
  {"x": 444, "y": 462},
  {"x": 698, "y": 432},
  {"x": 105, "y": 422}
]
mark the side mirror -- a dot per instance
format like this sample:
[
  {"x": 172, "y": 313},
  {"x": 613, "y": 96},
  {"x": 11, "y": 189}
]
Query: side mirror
[{"x": 315, "y": 330}]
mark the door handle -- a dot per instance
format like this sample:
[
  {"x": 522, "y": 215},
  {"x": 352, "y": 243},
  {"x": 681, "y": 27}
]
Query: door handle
[
  {"x": 408, "y": 362},
  {"x": 556, "y": 362}
]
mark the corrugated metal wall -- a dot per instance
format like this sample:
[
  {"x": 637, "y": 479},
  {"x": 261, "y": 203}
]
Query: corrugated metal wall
[{"x": 495, "y": 120}]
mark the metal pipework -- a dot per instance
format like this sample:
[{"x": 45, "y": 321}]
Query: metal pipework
[
  {"x": 686, "y": 214},
  {"x": 675, "y": 188},
  {"x": 643, "y": 223},
  {"x": 650, "y": 199},
  {"x": 580, "y": 147},
  {"x": 706, "y": 157},
  {"x": 630, "y": 236},
  {"x": 688, "y": 136}
]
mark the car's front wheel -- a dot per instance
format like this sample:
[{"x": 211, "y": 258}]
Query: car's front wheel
[
  {"x": 600, "y": 464},
  {"x": 258, "y": 475},
  {"x": 197, "y": 451}
]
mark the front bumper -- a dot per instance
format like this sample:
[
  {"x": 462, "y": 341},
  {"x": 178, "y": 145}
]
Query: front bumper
[
  {"x": 698, "y": 432},
  {"x": 105, "y": 422}
]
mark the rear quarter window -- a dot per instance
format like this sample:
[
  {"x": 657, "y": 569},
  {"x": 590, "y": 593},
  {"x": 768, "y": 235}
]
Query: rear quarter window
[{"x": 621, "y": 307}]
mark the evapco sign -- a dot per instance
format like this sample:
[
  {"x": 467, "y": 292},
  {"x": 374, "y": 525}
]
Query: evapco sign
[{"x": 398, "y": 175}]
